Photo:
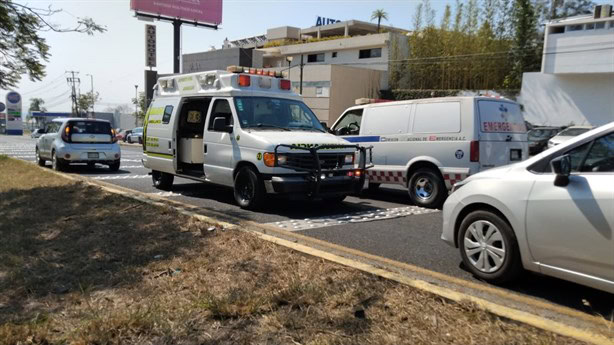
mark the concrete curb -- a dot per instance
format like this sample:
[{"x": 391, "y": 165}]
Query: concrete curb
[{"x": 261, "y": 230}]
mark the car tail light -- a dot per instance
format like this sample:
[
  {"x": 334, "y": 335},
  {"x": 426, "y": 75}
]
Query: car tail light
[
  {"x": 113, "y": 136},
  {"x": 474, "y": 155},
  {"x": 66, "y": 134},
  {"x": 284, "y": 84},
  {"x": 244, "y": 80}
]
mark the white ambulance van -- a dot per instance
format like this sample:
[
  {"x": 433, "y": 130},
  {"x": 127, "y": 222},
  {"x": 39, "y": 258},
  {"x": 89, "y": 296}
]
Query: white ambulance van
[
  {"x": 246, "y": 129},
  {"x": 428, "y": 145}
]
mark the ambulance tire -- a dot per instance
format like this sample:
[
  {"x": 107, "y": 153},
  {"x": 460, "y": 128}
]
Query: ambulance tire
[
  {"x": 161, "y": 180},
  {"x": 249, "y": 189},
  {"x": 427, "y": 189}
]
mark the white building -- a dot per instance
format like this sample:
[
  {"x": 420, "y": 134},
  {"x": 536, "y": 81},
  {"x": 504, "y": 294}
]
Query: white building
[
  {"x": 576, "y": 82},
  {"x": 341, "y": 62}
]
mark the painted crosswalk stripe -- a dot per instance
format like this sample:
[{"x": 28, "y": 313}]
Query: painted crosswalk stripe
[{"x": 120, "y": 177}]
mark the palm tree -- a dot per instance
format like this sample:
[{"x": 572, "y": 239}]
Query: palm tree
[{"x": 379, "y": 15}]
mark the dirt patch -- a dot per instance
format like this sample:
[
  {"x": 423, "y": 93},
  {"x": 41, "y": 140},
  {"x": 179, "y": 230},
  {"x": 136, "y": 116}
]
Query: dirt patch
[{"x": 81, "y": 266}]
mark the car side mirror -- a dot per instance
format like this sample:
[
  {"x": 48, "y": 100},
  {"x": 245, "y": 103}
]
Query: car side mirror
[
  {"x": 219, "y": 125},
  {"x": 561, "y": 166}
]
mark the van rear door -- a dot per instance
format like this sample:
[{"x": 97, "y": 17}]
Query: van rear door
[
  {"x": 502, "y": 134},
  {"x": 91, "y": 132}
]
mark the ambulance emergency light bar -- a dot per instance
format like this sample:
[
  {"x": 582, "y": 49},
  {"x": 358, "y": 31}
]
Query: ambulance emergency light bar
[{"x": 245, "y": 78}]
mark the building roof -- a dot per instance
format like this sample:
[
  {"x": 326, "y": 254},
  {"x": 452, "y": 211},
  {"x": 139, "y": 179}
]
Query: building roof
[
  {"x": 582, "y": 19},
  {"x": 355, "y": 28}
]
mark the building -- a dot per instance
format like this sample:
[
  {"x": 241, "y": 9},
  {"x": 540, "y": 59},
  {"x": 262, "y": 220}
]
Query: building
[
  {"x": 339, "y": 62},
  {"x": 576, "y": 82}
]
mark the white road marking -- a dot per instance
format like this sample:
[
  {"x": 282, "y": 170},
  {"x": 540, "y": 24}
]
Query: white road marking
[
  {"x": 131, "y": 166},
  {"x": 355, "y": 217},
  {"x": 165, "y": 194},
  {"x": 130, "y": 160},
  {"x": 119, "y": 177}
]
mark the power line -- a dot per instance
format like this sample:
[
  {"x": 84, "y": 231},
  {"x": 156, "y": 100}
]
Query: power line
[{"x": 52, "y": 82}]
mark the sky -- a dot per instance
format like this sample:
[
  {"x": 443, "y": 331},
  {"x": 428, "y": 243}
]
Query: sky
[{"x": 116, "y": 59}]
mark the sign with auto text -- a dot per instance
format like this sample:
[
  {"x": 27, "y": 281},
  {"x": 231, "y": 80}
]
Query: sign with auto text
[
  {"x": 150, "y": 45},
  {"x": 326, "y": 21}
]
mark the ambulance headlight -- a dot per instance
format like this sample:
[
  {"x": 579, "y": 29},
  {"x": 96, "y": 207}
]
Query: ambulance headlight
[
  {"x": 282, "y": 159},
  {"x": 349, "y": 159}
]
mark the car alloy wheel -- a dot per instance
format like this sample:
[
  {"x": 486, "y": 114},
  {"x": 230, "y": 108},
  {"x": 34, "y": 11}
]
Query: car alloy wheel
[{"x": 484, "y": 246}]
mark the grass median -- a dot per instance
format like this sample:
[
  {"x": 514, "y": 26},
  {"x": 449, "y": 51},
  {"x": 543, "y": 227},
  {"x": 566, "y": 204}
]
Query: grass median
[{"x": 82, "y": 266}]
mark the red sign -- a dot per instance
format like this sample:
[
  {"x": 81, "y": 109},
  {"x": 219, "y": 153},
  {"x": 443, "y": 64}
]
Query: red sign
[{"x": 203, "y": 11}]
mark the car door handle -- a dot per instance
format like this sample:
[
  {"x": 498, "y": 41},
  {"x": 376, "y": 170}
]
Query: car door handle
[{"x": 205, "y": 148}]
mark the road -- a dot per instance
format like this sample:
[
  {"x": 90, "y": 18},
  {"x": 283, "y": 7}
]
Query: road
[{"x": 382, "y": 223}]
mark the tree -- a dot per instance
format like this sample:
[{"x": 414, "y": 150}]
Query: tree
[
  {"x": 526, "y": 50},
  {"x": 87, "y": 100},
  {"x": 36, "y": 104},
  {"x": 379, "y": 15},
  {"x": 418, "y": 18},
  {"x": 141, "y": 104},
  {"x": 24, "y": 51},
  {"x": 445, "y": 21}
]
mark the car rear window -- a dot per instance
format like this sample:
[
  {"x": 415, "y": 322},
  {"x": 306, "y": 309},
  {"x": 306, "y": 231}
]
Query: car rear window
[
  {"x": 501, "y": 117},
  {"x": 90, "y": 127}
]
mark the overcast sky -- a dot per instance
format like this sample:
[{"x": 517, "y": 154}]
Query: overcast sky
[{"x": 116, "y": 58}]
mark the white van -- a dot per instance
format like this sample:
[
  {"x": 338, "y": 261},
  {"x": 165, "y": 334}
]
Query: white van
[
  {"x": 427, "y": 145},
  {"x": 248, "y": 131}
]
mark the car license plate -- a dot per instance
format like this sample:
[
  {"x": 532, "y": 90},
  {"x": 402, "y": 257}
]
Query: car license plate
[
  {"x": 515, "y": 154},
  {"x": 92, "y": 155}
]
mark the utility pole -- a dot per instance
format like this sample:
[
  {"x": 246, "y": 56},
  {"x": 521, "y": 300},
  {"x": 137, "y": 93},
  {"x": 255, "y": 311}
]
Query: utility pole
[
  {"x": 75, "y": 104},
  {"x": 301, "y": 82},
  {"x": 93, "y": 97}
]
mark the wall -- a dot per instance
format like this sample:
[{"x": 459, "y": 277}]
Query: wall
[
  {"x": 216, "y": 60},
  {"x": 561, "y": 99},
  {"x": 349, "y": 84},
  {"x": 584, "y": 51}
]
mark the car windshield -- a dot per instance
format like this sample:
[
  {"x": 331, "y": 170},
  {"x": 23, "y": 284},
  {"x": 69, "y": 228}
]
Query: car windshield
[
  {"x": 137, "y": 130},
  {"x": 540, "y": 133},
  {"x": 264, "y": 113},
  {"x": 572, "y": 132}
]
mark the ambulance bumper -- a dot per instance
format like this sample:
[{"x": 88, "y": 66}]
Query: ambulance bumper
[{"x": 301, "y": 187}]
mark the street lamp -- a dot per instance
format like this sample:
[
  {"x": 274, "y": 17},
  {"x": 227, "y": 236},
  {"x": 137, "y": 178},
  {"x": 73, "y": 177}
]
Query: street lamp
[
  {"x": 93, "y": 98},
  {"x": 136, "y": 105}
]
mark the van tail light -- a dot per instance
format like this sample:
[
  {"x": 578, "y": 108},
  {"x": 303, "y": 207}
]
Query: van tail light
[
  {"x": 244, "y": 80},
  {"x": 474, "y": 155},
  {"x": 113, "y": 136},
  {"x": 284, "y": 84},
  {"x": 66, "y": 134}
]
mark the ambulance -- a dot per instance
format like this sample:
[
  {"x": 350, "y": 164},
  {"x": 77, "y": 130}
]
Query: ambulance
[
  {"x": 244, "y": 128},
  {"x": 428, "y": 145}
]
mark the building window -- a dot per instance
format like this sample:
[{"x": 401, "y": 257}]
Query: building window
[
  {"x": 370, "y": 53},
  {"x": 600, "y": 25},
  {"x": 590, "y": 26},
  {"x": 578, "y": 27},
  {"x": 334, "y": 55},
  {"x": 557, "y": 29},
  {"x": 611, "y": 24},
  {"x": 315, "y": 58}
]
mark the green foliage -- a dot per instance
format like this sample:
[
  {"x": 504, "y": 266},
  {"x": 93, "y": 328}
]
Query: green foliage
[
  {"x": 141, "y": 104},
  {"x": 36, "y": 104},
  {"x": 379, "y": 15},
  {"x": 87, "y": 100},
  {"x": 22, "y": 49},
  {"x": 526, "y": 48}
]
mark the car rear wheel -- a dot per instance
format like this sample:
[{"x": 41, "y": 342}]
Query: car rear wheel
[
  {"x": 161, "y": 180},
  {"x": 39, "y": 160},
  {"x": 249, "y": 190},
  {"x": 489, "y": 248},
  {"x": 427, "y": 189},
  {"x": 114, "y": 166},
  {"x": 56, "y": 163}
]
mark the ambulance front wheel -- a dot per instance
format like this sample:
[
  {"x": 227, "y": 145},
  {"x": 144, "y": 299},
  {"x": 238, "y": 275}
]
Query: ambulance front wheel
[
  {"x": 427, "y": 189},
  {"x": 161, "y": 180},
  {"x": 249, "y": 189}
]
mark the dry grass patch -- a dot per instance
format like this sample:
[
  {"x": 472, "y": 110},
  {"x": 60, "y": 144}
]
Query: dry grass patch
[{"x": 80, "y": 266}]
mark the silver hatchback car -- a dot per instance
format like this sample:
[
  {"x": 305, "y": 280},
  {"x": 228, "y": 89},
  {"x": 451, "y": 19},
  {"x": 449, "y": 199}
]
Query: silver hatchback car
[{"x": 76, "y": 140}]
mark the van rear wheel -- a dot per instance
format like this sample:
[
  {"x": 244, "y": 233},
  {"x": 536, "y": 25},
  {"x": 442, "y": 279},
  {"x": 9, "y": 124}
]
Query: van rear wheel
[
  {"x": 249, "y": 189},
  {"x": 427, "y": 189},
  {"x": 161, "y": 180}
]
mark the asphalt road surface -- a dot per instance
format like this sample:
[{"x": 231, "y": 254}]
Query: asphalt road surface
[{"x": 382, "y": 223}]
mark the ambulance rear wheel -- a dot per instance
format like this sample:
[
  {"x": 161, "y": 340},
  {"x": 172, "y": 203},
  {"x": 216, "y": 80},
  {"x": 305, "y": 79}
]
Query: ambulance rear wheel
[
  {"x": 162, "y": 180},
  {"x": 427, "y": 189},
  {"x": 249, "y": 189}
]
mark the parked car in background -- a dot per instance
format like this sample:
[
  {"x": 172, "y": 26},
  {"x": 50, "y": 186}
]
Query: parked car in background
[
  {"x": 135, "y": 136},
  {"x": 77, "y": 140},
  {"x": 428, "y": 145},
  {"x": 538, "y": 138},
  {"x": 123, "y": 134},
  {"x": 36, "y": 133},
  {"x": 551, "y": 214},
  {"x": 567, "y": 134}
]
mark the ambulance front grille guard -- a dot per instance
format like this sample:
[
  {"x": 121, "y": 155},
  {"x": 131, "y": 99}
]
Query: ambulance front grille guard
[{"x": 315, "y": 173}]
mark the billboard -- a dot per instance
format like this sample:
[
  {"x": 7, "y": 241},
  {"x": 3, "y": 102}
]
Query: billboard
[
  {"x": 14, "y": 125},
  {"x": 203, "y": 11}
]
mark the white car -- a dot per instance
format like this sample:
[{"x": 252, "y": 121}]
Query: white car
[
  {"x": 552, "y": 214},
  {"x": 567, "y": 134}
]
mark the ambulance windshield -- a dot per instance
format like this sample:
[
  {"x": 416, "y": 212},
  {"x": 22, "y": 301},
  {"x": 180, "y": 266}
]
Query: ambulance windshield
[{"x": 276, "y": 114}]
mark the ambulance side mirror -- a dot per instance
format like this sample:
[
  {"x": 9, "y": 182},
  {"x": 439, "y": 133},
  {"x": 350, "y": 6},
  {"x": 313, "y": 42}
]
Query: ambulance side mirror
[{"x": 219, "y": 125}]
